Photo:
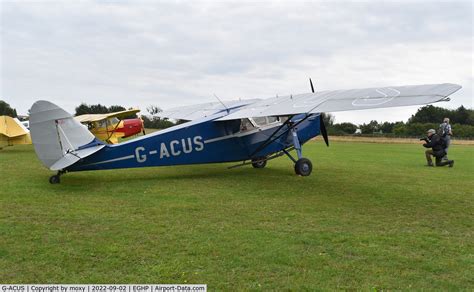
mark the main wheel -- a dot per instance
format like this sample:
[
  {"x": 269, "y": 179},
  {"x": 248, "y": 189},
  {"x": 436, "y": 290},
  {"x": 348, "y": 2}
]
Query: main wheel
[
  {"x": 303, "y": 167},
  {"x": 54, "y": 179},
  {"x": 258, "y": 163}
]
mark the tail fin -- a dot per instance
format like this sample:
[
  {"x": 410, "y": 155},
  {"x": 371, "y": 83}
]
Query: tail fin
[{"x": 59, "y": 139}]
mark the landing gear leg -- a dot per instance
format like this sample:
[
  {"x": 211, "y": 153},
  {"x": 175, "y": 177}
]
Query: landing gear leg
[
  {"x": 56, "y": 179},
  {"x": 303, "y": 166}
]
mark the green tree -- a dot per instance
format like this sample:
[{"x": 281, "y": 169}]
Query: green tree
[
  {"x": 345, "y": 128},
  {"x": 84, "y": 108},
  {"x": 115, "y": 108},
  {"x": 460, "y": 116},
  {"x": 370, "y": 128},
  {"x": 433, "y": 114},
  {"x": 387, "y": 127},
  {"x": 6, "y": 110},
  {"x": 470, "y": 119},
  {"x": 399, "y": 129},
  {"x": 155, "y": 122},
  {"x": 429, "y": 114}
]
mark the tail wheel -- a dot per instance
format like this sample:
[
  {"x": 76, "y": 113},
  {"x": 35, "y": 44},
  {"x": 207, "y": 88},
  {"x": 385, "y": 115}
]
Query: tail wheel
[
  {"x": 303, "y": 167},
  {"x": 258, "y": 162},
  {"x": 54, "y": 179}
]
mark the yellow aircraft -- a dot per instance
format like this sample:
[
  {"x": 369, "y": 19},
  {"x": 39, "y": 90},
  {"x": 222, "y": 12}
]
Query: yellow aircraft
[
  {"x": 110, "y": 127},
  {"x": 12, "y": 132}
]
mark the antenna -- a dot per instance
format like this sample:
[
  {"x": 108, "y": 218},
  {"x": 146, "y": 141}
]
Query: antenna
[{"x": 226, "y": 108}]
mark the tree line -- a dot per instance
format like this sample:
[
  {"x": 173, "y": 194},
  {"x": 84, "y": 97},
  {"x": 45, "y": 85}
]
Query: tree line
[
  {"x": 427, "y": 117},
  {"x": 84, "y": 108},
  {"x": 150, "y": 121}
]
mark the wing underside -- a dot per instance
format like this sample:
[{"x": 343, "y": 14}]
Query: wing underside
[
  {"x": 194, "y": 112},
  {"x": 99, "y": 117}
]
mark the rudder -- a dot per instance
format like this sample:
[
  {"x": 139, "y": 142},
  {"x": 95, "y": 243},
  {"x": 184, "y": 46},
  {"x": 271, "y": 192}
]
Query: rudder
[{"x": 57, "y": 137}]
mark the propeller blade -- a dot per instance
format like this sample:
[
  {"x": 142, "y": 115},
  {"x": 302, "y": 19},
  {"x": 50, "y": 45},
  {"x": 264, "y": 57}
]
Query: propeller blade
[
  {"x": 324, "y": 132},
  {"x": 322, "y": 126}
]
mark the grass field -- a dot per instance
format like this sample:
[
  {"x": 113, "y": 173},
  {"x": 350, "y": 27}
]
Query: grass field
[{"x": 370, "y": 216}]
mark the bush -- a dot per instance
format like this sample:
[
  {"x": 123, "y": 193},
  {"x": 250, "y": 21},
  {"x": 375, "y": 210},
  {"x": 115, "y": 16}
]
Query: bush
[{"x": 156, "y": 122}]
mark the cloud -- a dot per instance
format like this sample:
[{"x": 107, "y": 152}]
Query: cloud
[{"x": 180, "y": 53}]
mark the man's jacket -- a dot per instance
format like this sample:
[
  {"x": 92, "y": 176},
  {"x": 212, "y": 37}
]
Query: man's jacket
[{"x": 437, "y": 144}]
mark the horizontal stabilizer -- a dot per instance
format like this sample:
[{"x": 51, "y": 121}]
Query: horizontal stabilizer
[{"x": 73, "y": 157}]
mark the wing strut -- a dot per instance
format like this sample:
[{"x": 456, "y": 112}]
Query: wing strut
[
  {"x": 268, "y": 141},
  {"x": 287, "y": 122}
]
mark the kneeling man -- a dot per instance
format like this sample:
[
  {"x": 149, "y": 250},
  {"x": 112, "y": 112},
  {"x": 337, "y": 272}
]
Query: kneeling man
[{"x": 436, "y": 143}]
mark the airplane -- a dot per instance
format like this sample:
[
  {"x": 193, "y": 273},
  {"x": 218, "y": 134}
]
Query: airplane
[
  {"x": 112, "y": 126},
  {"x": 245, "y": 131},
  {"x": 13, "y": 132}
]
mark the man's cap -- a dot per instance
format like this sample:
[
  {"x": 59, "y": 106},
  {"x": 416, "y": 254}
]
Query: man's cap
[{"x": 431, "y": 131}]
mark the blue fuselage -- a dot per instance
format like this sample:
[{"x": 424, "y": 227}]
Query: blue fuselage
[{"x": 199, "y": 141}]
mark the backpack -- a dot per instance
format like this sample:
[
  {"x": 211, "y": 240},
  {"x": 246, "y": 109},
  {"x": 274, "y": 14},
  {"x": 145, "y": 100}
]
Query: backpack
[{"x": 443, "y": 130}]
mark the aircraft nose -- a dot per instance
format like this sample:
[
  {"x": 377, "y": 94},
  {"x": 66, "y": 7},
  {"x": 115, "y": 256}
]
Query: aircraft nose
[{"x": 132, "y": 127}]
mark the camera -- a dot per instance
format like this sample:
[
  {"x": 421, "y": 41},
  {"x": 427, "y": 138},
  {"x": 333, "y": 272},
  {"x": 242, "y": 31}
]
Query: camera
[{"x": 425, "y": 139}]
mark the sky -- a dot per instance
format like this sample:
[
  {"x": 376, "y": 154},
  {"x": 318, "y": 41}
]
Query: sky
[{"x": 173, "y": 53}]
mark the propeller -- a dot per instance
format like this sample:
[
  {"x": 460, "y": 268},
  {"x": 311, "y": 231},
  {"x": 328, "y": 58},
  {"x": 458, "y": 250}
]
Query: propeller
[
  {"x": 322, "y": 126},
  {"x": 143, "y": 124}
]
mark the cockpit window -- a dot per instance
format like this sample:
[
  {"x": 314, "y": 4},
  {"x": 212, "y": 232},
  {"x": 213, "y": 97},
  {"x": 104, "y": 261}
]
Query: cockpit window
[
  {"x": 113, "y": 121},
  {"x": 101, "y": 124}
]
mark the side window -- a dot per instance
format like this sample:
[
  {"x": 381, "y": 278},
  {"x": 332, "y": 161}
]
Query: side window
[
  {"x": 246, "y": 125},
  {"x": 260, "y": 121},
  {"x": 272, "y": 120}
]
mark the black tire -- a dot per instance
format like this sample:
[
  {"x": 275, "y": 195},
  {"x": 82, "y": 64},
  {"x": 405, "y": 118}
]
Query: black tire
[
  {"x": 303, "y": 167},
  {"x": 54, "y": 179},
  {"x": 258, "y": 163}
]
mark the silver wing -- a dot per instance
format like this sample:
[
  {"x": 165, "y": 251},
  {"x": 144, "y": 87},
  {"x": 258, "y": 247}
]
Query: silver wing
[
  {"x": 193, "y": 112},
  {"x": 345, "y": 100}
]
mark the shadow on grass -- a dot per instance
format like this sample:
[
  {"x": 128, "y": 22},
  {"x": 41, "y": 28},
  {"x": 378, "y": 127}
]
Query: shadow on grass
[
  {"x": 175, "y": 173},
  {"x": 276, "y": 180}
]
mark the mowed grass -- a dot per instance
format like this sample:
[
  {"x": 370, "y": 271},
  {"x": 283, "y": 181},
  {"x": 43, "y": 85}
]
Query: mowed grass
[{"x": 370, "y": 216}]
